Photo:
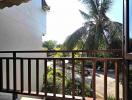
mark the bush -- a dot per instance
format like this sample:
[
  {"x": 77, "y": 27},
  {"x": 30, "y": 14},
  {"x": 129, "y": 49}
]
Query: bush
[
  {"x": 111, "y": 97},
  {"x": 68, "y": 84},
  {"x": 49, "y": 87}
]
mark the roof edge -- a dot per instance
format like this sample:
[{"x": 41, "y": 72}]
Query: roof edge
[
  {"x": 45, "y": 7},
  {"x": 10, "y": 3}
]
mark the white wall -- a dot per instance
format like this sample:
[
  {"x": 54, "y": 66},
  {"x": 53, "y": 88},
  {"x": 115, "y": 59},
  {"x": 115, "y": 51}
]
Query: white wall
[{"x": 21, "y": 28}]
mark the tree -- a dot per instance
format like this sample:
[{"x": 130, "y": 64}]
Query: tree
[
  {"x": 50, "y": 44},
  {"x": 98, "y": 32}
]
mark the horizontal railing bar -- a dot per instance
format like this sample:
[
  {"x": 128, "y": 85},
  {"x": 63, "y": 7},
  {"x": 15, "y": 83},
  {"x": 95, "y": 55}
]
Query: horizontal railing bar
[
  {"x": 66, "y": 58},
  {"x": 44, "y": 51}
]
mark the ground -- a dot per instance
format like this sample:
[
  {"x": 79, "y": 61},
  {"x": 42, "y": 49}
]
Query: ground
[
  {"x": 99, "y": 86},
  {"x": 110, "y": 84}
]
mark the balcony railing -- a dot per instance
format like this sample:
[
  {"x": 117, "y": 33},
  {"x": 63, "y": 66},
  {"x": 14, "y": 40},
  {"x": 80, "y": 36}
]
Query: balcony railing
[{"x": 76, "y": 62}]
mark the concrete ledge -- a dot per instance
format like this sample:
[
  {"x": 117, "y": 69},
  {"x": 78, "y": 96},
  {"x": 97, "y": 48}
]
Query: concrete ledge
[{"x": 28, "y": 98}]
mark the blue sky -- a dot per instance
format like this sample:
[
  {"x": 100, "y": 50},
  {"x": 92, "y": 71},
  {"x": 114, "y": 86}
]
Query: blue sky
[
  {"x": 116, "y": 11},
  {"x": 130, "y": 17},
  {"x": 64, "y": 18}
]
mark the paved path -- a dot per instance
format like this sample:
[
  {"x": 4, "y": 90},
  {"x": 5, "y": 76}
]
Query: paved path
[{"x": 110, "y": 85}]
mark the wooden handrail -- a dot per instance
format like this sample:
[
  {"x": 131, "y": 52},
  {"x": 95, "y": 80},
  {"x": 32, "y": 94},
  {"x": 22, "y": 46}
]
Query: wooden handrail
[{"x": 71, "y": 58}]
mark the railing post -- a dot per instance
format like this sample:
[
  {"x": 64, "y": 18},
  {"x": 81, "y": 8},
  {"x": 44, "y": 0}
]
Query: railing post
[
  {"x": 37, "y": 76},
  {"x": 94, "y": 80},
  {"x": 105, "y": 80},
  {"x": 117, "y": 80},
  {"x": 22, "y": 77},
  {"x": 29, "y": 76},
  {"x": 45, "y": 77},
  {"x": 54, "y": 77},
  {"x": 14, "y": 76},
  {"x": 63, "y": 78},
  {"x": 7, "y": 74},
  {"x": 1, "y": 75},
  {"x": 83, "y": 80},
  {"x": 73, "y": 76},
  {"x": 124, "y": 79}
]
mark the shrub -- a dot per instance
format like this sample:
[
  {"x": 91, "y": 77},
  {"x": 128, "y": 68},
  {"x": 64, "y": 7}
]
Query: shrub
[
  {"x": 68, "y": 84},
  {"x": 110, "y": 97}
]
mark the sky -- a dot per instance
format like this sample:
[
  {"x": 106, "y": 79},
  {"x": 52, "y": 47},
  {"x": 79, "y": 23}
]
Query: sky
[
  {"x": 130, "y": 16},
  {"x": 64, "y": 17}
]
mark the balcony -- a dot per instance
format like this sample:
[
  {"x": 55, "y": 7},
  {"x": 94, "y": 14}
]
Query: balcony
[{"x": 93, "y": 74}]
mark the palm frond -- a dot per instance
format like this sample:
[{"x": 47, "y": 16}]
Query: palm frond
[
  {"x": 85, "y": 15},
  {"x": 72, "y": 40},
  {"x": 92, "y": 6},
  {"x": 90, "y": 43},
  {"x": 105, "y": 5},
  {"x": 114, "y": 30}
]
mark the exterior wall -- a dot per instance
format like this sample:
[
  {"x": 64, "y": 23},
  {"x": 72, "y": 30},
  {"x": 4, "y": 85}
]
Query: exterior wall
[{"x": 21, "y": 28}]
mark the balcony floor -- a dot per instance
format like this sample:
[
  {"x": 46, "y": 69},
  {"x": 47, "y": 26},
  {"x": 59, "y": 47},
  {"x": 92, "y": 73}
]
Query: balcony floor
[{"x": 6, "y": 96}]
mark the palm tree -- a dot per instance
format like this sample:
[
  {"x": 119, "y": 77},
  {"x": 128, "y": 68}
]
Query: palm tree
[{"x": 98, "y": 32}]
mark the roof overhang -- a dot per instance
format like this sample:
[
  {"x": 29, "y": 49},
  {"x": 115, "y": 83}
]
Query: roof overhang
[
  {"x": 45, "y": 7},
  {"x": 9, "y": 3}
]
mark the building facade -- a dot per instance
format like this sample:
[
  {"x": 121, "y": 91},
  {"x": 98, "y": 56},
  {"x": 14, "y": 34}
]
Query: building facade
[{"x": 21, "y": 28}]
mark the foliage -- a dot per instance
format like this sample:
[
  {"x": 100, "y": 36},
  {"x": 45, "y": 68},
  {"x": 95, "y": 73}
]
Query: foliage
[
  {"x": 68, "y": 83},
  {"x": 50, "y": 80},
  {"x": 98, "y": 32},
  {"x": 111, "y": 98},
  {"x": 50, "y": 44},
  {"x": 58, "y": 54}
]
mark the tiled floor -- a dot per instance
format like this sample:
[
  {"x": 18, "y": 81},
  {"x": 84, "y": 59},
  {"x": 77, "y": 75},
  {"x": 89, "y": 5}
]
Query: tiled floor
[
  {"x": 6, "y": 96},
  {"x": 27, "y": 98}
]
